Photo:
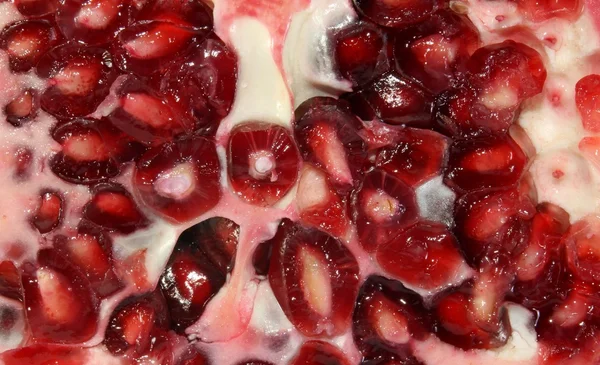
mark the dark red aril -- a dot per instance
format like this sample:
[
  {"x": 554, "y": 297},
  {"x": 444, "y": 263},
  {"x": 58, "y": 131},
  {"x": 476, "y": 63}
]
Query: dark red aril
[
  {"x": 396, "y": 14},
  {"x": 49, "y": 212},
  {"x": 489, "y": 161},
  {"x": 92, "y": 21},
  {"x": 327, "y": 135},
  {"x": 254, "y": 362},
  {"x": 541, "y": 10},
  {"x": 85, "y": 155},
  {"x": 113, "y": 208},
  {"x": 179, "y": 180},
  {"x": 314, "y": 278},
  {"x": 262, "y": 162},
  {"x": 39, "y": 354},
  {"x": 192, "y": 356},
  {"x": 136, "y": 324},
  {"x": 10, "y": 281},
  {"x": 147, "y": 47},
  {"x": 26, "y": 41},
  {"x": 359, "y": 52},
  {"x": 22, "y": 109},
  {"x": 80, "y": 78},
  {"x": 393, "y": 99},
  {"x": 203, "y": 84},
  {"x": 424, "y": 256},
  {"x": 192, "y": 14},
  {"x": 319, "y": 353},
  {"x": 387, "y": 317},
  {"x": 415, "y": 156},
  {"x": 381, "y": 207},
  {"x": 191, "y": 278},
  {"x": 22, "y": 162},
  {"x": 587, "y": 98},
  {"x": 581, "y": 243},
  {"x": 261, "y": 258}
]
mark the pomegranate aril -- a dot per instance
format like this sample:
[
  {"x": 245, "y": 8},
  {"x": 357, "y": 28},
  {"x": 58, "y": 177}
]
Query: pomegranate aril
[
  {"x": 328, "y": 136},
  {"x": 43, "y": 355},
  {"x": 435, "y": 52},
  {"x": 587, "y": 98},
  {"x": 314, "y": 278},
  {"x": 359, "y": 52},
  {"x": 26, "y": 41},
  {"x": 425, "y": 256},
  {"x": 191, "y": 278},
  {"x": 194, "y": 14},
  {"x": 262, "y": 257},
  {"x": 84, "y": 158},
  {"x": 147, "y": 47},
  {"x": 22, "y": 162},
  {"x": 203, "y": 84},
  {"x": 92, "y": 21},
  {"x": 255, "y": 362},
  {"x": 489, "y": 161},
  {"x": 319, "y": 353},
  {"x": 10, "y": 281},
  {"x": 583, "y": 254},
  {"x": 541, "y": 10},
  {"x": 262, "y": 162},
  {"x": 415, "y": 156},
  {"x": 60, "y": 305},
  {"x": 179, "y": 180},
  {"x": 387, "y": 316},
  {"x": 49, "y": 212},
  {"x": 393, "y": 99},
  {"x": 22, "y": 109},
  {"x": 80, "y": 78},
  {"x": 381, "y": 207},
  {"x": 113, "y": 208},
  {"x": 396, "y": 14},
  {"x": 192, "y": 356},
  {"x": 135, "y": 324}
]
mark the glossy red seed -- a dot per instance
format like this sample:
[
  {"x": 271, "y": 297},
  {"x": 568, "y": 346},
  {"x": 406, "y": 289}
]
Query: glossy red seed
[
  {"x": 485, "y": 162},
  {"x": 113, "y": 208},
  {"x": 587, "y": 98},
  {"x": 43, "y": 355},
  {"x": 192, "y": 356},
  {"x": 415, "y": 156},
  {"x": 179, "y": 180},
  {"x": 262, "y": 162},
  {"x": 26, "y": 41},
  {"x": 10, "y": 281},
  {"x": 217, "y": 238},
  {"x": 381, "y": 207},
  {"x": 262, "y": 257},
  {"x": 581, "y": 247},
  {"x": 193, "y": 14},
  {"x": 203, "y": 84},
  {"x": 393, "y": 99},
  {"x": 314, "y": 278},
  {"x": 328, "y": 136},
  {"x": 397, "y": 14},
  {"x": 425, "y": 256},
  {"x": 80, "y": 78},
  {"x": 22, "y": 109},
  {"x": 23, "y": 160},
  {"x": 49, "y": 212},
  {"x": 541, "y": 10},
  {"x": 319, "y": 353}
]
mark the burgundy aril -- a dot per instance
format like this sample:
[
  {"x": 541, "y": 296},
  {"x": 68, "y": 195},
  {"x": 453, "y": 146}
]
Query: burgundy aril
[
  {"x": 541, "y": 10},
  {"x": 22, "y": 162},
  {"x": 85, "y": 156},
  {"x": 396, "y": 14},
  {"x": 488, "y": 161},
  {"x": 10, "y": 281},
  {"x": 393, "y": 99},
  {"x": 381, "y": 207},
  {"x": 60, "y": 305},
  {"x": 49, "y": 212},
  {"x": 314, "y": 278},
  {"x": 40, "y": 354},
  {"x": 415, "y": 156},
  {"x": 193, "y": 14},
  {"x": 255, "y": 362},
  {"x": 424, "y": 256},
  {"x": 92, "y": 21},
  {"x": 581, "y": 244},
  {"x": 113, "y": 208},
  {"x": 263, "y": 162},
  {"x": 136, "y": 325},
  {"x": 203, "y": 84},
  {"x": 146, "y": 47},
  {"x": 26, "y": 41},
  {"x": 35, "y": 8},
  {"x": 191, "y": 277},
  {"x": 145, "y": 115},
  {"x": 587, "y": 98},
  {"x": 192, "y": 356},
  {"x": 319, "y": 204},
  {"x": 435, "y": 52},
  {"x": 327, "y": 135},
  {"x": 387, "y": 317},
  {"x": 22, "y": 109},
  {"x": 92, "y": 254},
  {"x": 359, "y": 52},
  {"x": 179, "y": 180},
  {"x": 319, "y": 353},
  {"x": 262, "y": 257},
  {"x": 80, "y": 78},
  {"x": 457, "y": 325}
]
